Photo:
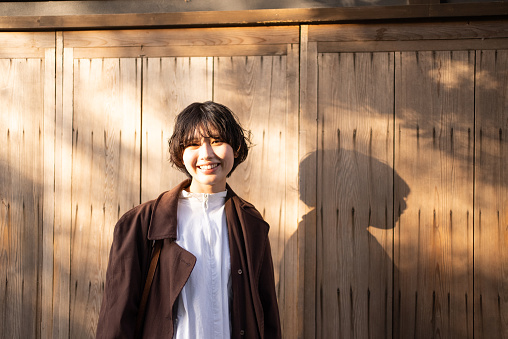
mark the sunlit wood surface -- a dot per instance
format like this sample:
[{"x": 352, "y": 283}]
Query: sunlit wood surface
[{"x": 378, "y": 160}]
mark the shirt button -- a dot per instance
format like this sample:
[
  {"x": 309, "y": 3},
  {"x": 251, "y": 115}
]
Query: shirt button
[
  {"x": 242, "y": 332},
  {"x": 240, "y": 271}
]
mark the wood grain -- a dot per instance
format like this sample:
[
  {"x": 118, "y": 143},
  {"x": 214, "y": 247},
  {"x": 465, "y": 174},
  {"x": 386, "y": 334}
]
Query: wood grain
[
  {"x": 188, "y": 51},
  {"x": 491, "y": 196},
  {"x": 456, "y": 30},
  {"x": 422, "y": 45},
  {"x": 220, "y": 36},
  {"x": 355, "y": 180},
  {"x": 307, "y": 185},
  {"x": 63, "y": 171},
  {"x": 434, "y": 155},
  {"x": 21, "y": 194},
  {"x": 105, "y": 171},
  {"x": 83, "y": 19},
  {"x": 46, "y": 325}
]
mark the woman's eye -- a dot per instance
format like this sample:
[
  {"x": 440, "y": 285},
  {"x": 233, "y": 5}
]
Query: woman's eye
[{"x": 216, "y": 142}]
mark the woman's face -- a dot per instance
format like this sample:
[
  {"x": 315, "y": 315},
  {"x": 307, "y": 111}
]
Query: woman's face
[{"x": 208, "y": 160}]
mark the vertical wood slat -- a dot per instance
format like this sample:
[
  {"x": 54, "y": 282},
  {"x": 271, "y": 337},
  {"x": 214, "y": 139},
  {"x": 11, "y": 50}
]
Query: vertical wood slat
[
  {"x": 294, "y": 269},
  {"x": 63, "y": 171},
  {"x": 307, "y": 169},
  {"x": 355, "y": 174},
  {"x": 434, "y": 154},
  {"x": 106, "y": 173},
  {"x": 491, "y": 196},
  {"x": 47, "y": 266},
  {"x": 169, "y": 85},
  {"x": 21, "y": 193}
]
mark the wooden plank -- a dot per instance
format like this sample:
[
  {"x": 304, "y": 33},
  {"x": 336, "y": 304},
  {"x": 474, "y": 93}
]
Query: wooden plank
[
  {"x": 63, "y": 161},
  {"x": 355, "y": 178},
  {"x": 22, "y": 53},
  {"x": 105, "y": 172},
  {"x": 46, "y": 324},
  {"x": 188, "y": 51},
  {"x": 220, "y": 36},
  {"x": 294, "y": 268},
  {"x": 491, "y": 196},
  {"x": 256, "y": 89},
  {"x": 403, "y": 46},
  {"x": 169, "y": 85},
  {"x": 27, "y": 40},
  {"x": 83, "y": 19},
  {"x": 434, "y": 156},
  {"x": 456, "y": 30},
  {"x": 307, "y": 168},
  {"x": 21, "y": 194}
]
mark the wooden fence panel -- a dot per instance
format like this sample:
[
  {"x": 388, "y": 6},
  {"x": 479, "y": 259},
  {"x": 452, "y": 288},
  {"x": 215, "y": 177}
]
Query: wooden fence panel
[
  {"x": 491, "y": 196},
  {"x": 169, "y": 85},
  {"x": 263, "y": 93},
  {"x": 434, "y": 155},
  {"x": 162, "y": 82},
  {"x": 105, "y": 174},
  {"x": 355, "y": 180},
  {"x": 23, "y": 87},
  {"x": 380, "y": 168}
]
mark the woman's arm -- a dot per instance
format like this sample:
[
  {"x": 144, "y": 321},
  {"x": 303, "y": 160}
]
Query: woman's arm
[{"x": 125, "y": 276}]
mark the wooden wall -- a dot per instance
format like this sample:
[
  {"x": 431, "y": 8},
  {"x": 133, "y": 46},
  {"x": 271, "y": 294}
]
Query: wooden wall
[{"x": 379, "y": 161}]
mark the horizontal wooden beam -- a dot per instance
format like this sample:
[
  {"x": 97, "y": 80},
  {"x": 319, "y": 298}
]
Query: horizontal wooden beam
[
  {"x": 405, "y": 46},
  {"x": 251, "y": 17},
  {"x": 456, "y": 30}
]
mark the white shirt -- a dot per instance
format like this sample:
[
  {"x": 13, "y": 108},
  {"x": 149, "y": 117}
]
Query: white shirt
[{"x": 203, "y": 304}]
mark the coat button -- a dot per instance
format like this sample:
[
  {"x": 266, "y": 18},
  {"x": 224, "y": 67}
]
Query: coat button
[
  {"x": 242, "y": 332},
  {"x": 240, "y": 271}
]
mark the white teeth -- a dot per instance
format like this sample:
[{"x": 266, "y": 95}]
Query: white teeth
[{"x": 207, "y": 167}]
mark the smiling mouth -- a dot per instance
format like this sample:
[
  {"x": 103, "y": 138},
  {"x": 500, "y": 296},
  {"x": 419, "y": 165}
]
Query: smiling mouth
[{"x": 208, "y": 167}]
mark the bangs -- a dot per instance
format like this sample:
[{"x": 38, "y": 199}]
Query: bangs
[{"x": 202, "y": 126}]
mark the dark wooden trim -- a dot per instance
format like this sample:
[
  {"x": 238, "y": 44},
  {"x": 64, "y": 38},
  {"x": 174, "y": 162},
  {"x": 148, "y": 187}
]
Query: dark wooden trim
[
  {"x": 253, "y": 17},
  {"x": 416, "y": 31}
]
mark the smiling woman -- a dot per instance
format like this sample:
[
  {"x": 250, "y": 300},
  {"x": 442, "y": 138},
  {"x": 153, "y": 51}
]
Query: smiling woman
[{"x": 207, "y": 232}]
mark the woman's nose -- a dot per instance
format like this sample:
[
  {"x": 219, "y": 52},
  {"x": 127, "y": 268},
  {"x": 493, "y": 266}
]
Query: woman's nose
[{"x": 205, "y": 150}]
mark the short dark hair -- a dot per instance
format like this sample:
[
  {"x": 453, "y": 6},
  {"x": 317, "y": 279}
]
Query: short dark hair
[{"x": 214, "y": 119}]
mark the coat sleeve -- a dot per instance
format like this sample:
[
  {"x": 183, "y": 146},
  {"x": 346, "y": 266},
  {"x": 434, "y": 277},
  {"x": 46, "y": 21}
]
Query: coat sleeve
[
  {"x": 124, "y": 276},
  {"x": 268, "y": 296}
]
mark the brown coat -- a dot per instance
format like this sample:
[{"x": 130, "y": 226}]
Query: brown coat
[{"x": 254, "y": 312}]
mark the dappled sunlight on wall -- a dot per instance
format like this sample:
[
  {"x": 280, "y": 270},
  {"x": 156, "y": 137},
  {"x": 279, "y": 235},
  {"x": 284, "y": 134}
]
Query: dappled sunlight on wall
[
  {"x": 21, "y": 193},
  {"x": 386, "y": 195}
]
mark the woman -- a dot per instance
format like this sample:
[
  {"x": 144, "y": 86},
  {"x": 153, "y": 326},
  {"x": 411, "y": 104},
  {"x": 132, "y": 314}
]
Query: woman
[{"x": 215, "y": 276}]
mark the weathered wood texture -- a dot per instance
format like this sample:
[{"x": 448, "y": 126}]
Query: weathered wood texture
[
  {"x": 23, "y": 88},
  {"x": 106, "y": 127},
  {"x": 21, "y": 194},
  {"x": 355, "y": 195},
  {"x": 307, "y": 183},
  {"x": 491, "y": 196},
  {"x": 86, "y": 17},
  {"x": 434, "y": 147},
  {"x": 380, "y": 168}
]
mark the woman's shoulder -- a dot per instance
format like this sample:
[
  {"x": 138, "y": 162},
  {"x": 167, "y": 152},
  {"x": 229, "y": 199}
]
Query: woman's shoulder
[{"x": 249, "y": 209}]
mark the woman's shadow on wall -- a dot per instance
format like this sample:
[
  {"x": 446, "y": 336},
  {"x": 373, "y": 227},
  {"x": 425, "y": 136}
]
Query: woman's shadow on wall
[{"x": 349, "y": 243}]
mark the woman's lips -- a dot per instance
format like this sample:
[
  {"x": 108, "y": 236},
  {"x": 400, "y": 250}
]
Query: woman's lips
[{"x": 208, "y": 167}]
